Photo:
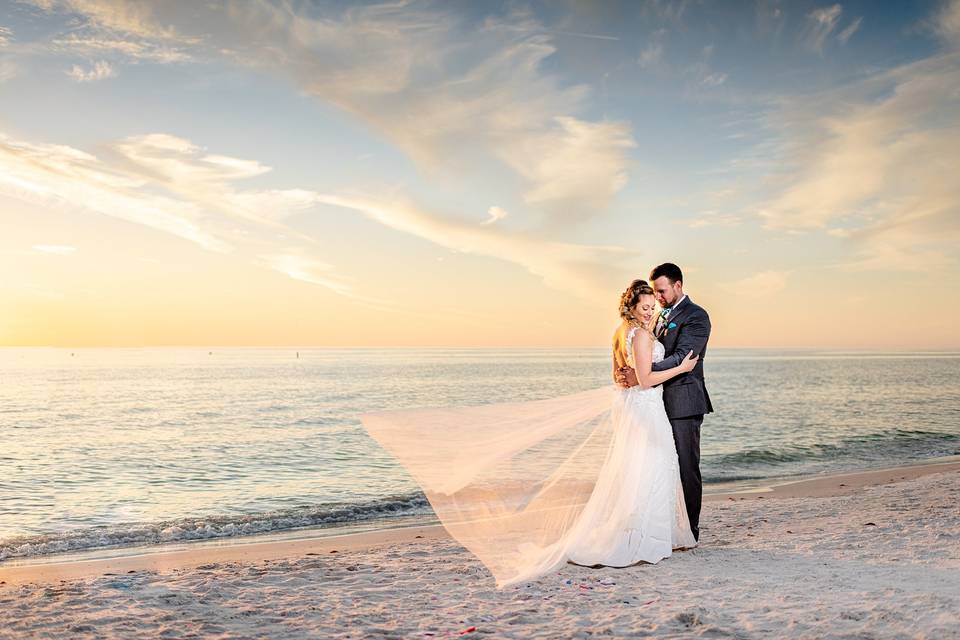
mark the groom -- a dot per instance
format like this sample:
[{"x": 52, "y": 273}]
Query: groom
[{"x": 682, "y": 327}]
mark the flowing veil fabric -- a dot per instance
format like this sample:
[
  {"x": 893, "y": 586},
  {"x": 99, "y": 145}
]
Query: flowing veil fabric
[{"x": 508, "y": 481}]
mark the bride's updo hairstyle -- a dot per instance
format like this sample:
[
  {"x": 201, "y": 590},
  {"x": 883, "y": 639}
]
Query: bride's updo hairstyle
[{"x": 630, "y": 297}]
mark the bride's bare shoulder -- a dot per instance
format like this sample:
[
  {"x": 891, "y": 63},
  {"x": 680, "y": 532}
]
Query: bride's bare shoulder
[
  {"x": 636, "y": 331},
  {"x": 650, "y": 338}
]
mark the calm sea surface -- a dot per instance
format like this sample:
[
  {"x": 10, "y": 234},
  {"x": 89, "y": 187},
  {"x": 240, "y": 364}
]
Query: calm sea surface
[{"x": 104, "y": 447}]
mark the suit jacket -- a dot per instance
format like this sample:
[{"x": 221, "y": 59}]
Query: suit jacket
[{"x": 686, "y": 394}]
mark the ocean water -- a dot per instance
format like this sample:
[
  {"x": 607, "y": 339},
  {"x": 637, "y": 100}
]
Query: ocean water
[{"x": 112, "y": 447}]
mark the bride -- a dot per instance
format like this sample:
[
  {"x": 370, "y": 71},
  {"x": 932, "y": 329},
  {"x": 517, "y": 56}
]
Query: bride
[{"x": 590, "y": 478}]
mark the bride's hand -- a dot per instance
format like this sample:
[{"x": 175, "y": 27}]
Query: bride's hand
[{"x": 689, "y": 363}]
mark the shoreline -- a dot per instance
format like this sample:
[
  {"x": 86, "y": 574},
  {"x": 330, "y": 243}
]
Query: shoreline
[{"x": 164, "y": 558}]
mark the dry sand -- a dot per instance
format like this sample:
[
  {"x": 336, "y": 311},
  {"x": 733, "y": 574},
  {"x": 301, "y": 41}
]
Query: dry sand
[{"x": 869, "y": 555}]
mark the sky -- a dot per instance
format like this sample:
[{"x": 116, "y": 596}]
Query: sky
[{"x": 279, "y": 173}]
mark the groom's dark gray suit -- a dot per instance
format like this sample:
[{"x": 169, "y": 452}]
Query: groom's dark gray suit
[{"x": 685, "y": 397}]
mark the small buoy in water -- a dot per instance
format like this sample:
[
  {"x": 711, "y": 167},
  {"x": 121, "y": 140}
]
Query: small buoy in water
[{"x": 210, "y": 353}]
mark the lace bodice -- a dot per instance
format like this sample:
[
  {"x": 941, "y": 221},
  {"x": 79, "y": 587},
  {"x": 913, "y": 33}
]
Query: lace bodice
[{"x": 658, "y": 349}]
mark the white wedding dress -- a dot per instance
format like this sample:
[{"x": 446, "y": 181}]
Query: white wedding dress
[
  {"x": 636, "y": 512},
  {"x": 590, "y": 478}
]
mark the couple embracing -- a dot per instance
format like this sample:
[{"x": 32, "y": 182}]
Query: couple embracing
[{"x": 606, "y": 477}]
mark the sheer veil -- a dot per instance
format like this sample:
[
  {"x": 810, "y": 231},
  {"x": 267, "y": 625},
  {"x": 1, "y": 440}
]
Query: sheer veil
[{"x": 508, "y": 481}]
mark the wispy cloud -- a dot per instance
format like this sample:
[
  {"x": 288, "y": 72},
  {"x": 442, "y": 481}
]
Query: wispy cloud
[
  {"x": 172, "y": 185},
  {"x": 66, "y": 178},
  {"x": 946, "y": 23},
  {"x": 758, "y": 285},
  {"x": 157, "y": 180},
  {"x": 118, "y": 32},
  {"x": 876, "y": 164},
  {"x": 421, "y": 75},
  {"x": 128, "y": 49},
  {"x": 306, "y": 269},
  {"x": 651, "y": 55},
  {"x": 101, "y": 70},
  {"x": 576, "y": 167},
  {"x": 703, "y": 72},
  {"x": 820, "y": 24},
  {"x": 8, "y": 70},
  {"x": 55, "y": 249},
  {"x": 495, "y": 214},
  {"x": 589, "y": 272},
  {"x": 771, "y": 17},
  {"x": 714, "y": 79},
  {"x": 206, "y": 179},
  {"x": 133, "y": 17},
  {"x": 849, "y": 30},
  {"x": 713, "y": 219},
  {"x": 665, "y": 10},
  {"x": 590, "y": 36},
  {"x": 447, "y": 99}
]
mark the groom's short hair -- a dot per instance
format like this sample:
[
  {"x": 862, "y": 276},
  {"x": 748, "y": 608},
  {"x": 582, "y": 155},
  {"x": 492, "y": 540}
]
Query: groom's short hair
[{"x": 668, "y": 269}]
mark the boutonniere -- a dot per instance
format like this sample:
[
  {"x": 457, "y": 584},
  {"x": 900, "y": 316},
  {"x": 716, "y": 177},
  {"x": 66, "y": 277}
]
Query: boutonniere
[{"x": 664, "y": 327}]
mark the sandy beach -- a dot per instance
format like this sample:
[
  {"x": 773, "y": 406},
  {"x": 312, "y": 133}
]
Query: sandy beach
[{"x": 863, "y": 555}]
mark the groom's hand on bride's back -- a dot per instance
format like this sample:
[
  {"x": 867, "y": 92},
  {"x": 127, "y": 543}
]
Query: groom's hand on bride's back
[{"x": 627, "y": 377}]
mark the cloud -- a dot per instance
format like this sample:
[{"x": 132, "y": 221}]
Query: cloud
[
  {"x": 713, "y": 219},
  {"x": 123, "y": 30},
  {"x": 651, "y": 55},
  {"x": 589, "y": 272},
  {"x": 665, "y": 10},
  {"x": 157, "y": 180},
  {"x": 947, "y": 23},
  {"x": 449, "y": 92},
  {"x": 770, "y": 17},
  {"x": 893, "y": 257},
  {"x": 173, "y": 185},
  {"x": 714, "y": 79},
  {"x": 67, "y": 178},
  {"x": 100, "y": 71},
  {"x": 496, "y": 214},
  {"x": 876, "y": 165},
  {"x": 131, "y": 50},
  {"x": 820, "y": 24},
  {"x": 8, "y": 70},
  {"x": 306, "y": 269},
  {"x": 206, "y": 180},
  {"x": 446, "y": 99},
  {"x": 172, "y": 159},
  {"x": 851, "y": 29},
  {"x": 703, "y": 72},
  {"x": 577, "y": 167},
  {"x": 135, "y": 17},
  {"x": 759, "y": 285},
  {"x": 55, "y": 249}
]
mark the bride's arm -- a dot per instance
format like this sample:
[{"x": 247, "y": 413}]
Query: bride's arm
[{"x": 643, "y": 356}]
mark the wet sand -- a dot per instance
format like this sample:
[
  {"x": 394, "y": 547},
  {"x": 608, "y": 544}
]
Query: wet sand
[{"x": 873, "y": 554}]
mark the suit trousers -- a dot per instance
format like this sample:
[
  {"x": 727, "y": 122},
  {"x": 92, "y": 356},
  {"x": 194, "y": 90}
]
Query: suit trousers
[{"x": 686, "y": 435}]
